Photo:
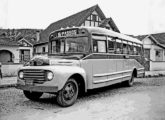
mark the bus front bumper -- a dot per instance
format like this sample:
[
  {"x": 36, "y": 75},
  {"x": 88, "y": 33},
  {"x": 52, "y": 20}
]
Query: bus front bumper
[{"x": 44, "y": 89}]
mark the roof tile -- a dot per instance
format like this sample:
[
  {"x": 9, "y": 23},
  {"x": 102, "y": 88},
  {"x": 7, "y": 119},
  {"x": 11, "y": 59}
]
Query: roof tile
[{"x": 8, "y": 42}]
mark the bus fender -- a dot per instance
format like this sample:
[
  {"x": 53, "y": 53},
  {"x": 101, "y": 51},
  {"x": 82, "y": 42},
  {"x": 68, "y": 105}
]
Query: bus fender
[{"x": 63, "y": 73}]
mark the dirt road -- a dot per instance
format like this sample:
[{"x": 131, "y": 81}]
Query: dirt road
[{"x": 144, "y": 101}]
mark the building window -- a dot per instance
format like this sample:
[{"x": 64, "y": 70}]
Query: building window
[
  {"x": 94, "y": 18},
  {"x": 158, "y": 55},
  {"x": 43, "y": 49}
]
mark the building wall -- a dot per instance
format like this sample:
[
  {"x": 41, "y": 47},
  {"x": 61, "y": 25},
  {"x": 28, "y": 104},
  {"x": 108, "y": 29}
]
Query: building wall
[
  {"x": 39, "y": 49},
  {"x": 10, "y": 69},
  {"x": 155, "y": 63},
  {"x": 27, "y": 48},
  {"x": 91, "y": 22}
]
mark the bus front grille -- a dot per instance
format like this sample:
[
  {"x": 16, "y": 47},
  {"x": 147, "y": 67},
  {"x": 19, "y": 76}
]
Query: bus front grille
[{"x": 38, "y": 76}]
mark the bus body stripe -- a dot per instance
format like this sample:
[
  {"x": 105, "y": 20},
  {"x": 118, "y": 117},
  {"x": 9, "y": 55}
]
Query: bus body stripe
[
  {"x": 107, "y": 80},
  {"x": 110, "y": 56},
  {"x": 109, "y": 74}
]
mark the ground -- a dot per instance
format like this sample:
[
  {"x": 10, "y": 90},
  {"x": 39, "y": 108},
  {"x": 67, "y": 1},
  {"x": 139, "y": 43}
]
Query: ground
[{"x": 143, "y": 101}]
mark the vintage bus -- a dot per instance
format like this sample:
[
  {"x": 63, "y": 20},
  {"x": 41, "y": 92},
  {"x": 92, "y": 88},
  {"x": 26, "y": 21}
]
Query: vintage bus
[{"x": 80, "y": 59}]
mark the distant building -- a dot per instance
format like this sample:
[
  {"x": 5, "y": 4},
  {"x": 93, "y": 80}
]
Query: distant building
[
  {"x": 92, "y": 16},
  {"x": 9, "y": 51},
  {"x": 154, "y": 50},
  {"x": 16, "y": 48}
]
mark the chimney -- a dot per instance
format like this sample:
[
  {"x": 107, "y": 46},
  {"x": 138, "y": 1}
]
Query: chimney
[{"x": 38, "y": 35}]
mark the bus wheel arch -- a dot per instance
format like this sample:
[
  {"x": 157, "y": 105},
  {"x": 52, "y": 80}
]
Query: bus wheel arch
[
  {"x": 134, "y": 72},
  {"x": 81, "y": 83},
  {"x": 129, "y": 83}
]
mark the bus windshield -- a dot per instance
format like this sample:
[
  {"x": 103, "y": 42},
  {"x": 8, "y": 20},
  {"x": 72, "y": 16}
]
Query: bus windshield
[{"x": 70, "y": 45}]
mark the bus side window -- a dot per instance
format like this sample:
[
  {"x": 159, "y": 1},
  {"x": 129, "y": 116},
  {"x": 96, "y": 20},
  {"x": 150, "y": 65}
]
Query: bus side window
[
  {"x": 95, "y": 47},
  {"x": 125, "y": 48},
  {"x": 135, "y": 49},
  {"x": 118, "y": 46},
  {"x": 99, "y": 46},
  {"x": 111, "y": 45},
  {"x": 138, "y": 49},
  {"x": 130, "y": 48}
]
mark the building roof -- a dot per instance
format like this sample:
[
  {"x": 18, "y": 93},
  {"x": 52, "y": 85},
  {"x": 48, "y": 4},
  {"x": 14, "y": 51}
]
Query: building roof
[
  {"x": 157, "y": 38},
  {"x": 109, "y": 21},
  {"x": 141, "y": 37},
  {"x": 160, "y": 37},
  {"x": 31, "y": 40},
  {"x": 73, "y": 20},
  {"x": 8, "y": 42}
]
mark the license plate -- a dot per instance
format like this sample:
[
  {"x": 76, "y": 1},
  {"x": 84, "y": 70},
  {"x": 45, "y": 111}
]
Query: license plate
[{"x": 29, "y": 82}]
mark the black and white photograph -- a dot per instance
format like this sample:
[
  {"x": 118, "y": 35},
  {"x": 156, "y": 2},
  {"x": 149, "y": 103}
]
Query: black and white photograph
[{"x": 82, "y": 60}]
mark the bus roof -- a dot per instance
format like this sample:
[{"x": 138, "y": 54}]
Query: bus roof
[
  {"x": 103, "y": 31},
  {"x": 98, "y": 30}
]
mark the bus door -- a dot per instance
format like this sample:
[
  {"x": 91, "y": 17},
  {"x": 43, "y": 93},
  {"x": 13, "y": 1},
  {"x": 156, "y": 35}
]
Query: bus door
[
  {"x": 112, "y": 62},
  {"x": 119, "y": 60},
  {"x": 128, "y": 63},
  {"x": 100, "y": 60}
]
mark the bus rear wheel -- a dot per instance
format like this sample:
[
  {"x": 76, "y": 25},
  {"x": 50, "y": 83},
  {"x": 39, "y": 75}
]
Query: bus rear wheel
[
  {"x": 69, "y": 93},
  {"x": 32, "y": 95},
  {"x": 130, "y": 82}
]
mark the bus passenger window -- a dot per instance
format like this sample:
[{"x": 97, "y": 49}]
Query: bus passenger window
[
  {"x": 130, "y": 48},
  {"x": 95, "y": 48},
  {"x": 138, "y": 50},
  {"x": 125, "y": 51},
  {"x": 99, "y": 46},
  {"x": 118, "y": 46},
  {"x": 111, "y": 45},
  {"x": 134, "y": 48}
]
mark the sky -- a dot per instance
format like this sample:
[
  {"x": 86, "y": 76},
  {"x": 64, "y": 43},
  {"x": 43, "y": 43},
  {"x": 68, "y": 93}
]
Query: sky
[{"x": 136, "y": 17}]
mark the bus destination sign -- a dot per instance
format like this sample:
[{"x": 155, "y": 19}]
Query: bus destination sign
[{"x": 66, "y": 33}]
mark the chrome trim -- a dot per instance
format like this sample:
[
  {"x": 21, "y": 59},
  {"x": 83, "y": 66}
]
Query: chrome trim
[
  {"x": 106, "y": 80},
  {"x": 108, "y": 74}
]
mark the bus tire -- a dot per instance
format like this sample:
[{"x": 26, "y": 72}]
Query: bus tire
[
  {"x": 129, "y": 83},
  {"x": 69, "y": 93},
  {"x": 32, "y": 95}
]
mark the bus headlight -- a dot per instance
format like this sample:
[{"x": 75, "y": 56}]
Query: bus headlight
[
  {"x": 50, "y": 75},
  {"x": 20, "y": 75}
]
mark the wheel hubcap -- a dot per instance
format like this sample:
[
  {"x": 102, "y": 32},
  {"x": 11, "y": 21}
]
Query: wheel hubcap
[{"x": 69, "y": 91}]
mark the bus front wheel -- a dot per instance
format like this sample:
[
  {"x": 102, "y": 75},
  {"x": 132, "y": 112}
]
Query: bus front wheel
[
  {"x": 32, "y": 95},
  {"x": 69, "y": 93}
]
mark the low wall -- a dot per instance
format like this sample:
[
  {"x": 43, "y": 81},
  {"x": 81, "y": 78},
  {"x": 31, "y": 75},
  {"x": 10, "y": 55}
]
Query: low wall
[
  {"x": 10, "y": 69},
  {"x": 157, "y": 66}
]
